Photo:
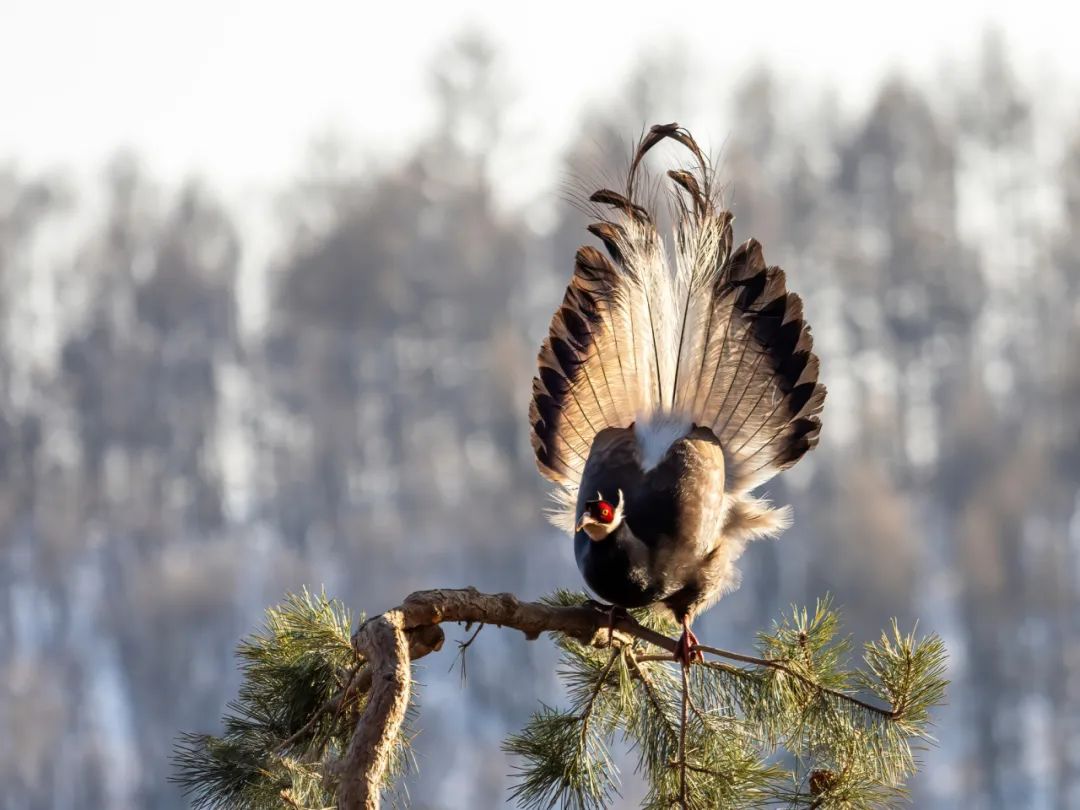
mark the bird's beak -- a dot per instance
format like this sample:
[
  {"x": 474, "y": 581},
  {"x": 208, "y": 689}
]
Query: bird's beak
[{"x": 594, "y": 529}]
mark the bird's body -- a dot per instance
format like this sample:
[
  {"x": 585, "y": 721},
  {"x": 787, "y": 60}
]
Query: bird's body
[
  {"x": 667, "y": 392},
  {"x": 660, "y": 552}
]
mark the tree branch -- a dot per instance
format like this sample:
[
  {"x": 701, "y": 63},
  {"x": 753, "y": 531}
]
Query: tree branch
[
  {"x": 422, "y": 641},
  {"x": 383, "y": 644},
  {"x": 531, "y": 618},
  {"x": 382, "y": 641}
]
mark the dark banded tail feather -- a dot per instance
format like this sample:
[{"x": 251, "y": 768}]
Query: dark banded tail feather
[{"x": 711, "y": 337}]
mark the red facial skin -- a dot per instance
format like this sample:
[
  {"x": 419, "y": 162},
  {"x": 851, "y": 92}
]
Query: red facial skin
[{"x": 603, "y": 512}]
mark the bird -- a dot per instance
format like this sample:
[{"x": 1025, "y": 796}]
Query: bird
[{"x": 669, "y": 388}]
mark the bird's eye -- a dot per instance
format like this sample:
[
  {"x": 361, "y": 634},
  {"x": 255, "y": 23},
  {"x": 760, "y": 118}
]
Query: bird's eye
[{"x": 605, "y": 512}]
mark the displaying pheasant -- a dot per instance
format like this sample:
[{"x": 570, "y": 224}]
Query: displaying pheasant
[{"x": 669, "y": 388}]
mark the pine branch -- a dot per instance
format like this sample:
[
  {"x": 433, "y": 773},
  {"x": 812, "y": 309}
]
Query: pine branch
[
  {"x": 422, "y": 642},
  {"x": 321, "y": 715},
  {"x": 383, "y": 644}
]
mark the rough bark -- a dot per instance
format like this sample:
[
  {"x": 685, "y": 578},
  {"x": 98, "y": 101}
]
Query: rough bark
[{"x": 385, "y": 647}]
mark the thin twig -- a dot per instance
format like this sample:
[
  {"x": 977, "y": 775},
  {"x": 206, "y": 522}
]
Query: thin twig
[
  {"x": 462, "y": 647},
  {"x": 694, "y": 708},
  {"x": 586, "y": 713},
  {"x": 682, "y": 735},
  {"x": 319, "y": 712},
  {"x": 649, "y": 690},
  {"x": 892, "y": 714},
  {"x": 706, "y": 771},
  {"x": 654, "y": 699},
  {"x": 767, "y": 662}
]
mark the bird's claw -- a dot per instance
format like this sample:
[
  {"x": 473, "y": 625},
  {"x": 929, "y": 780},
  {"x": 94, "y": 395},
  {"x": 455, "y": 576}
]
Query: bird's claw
[
  {"x": 612, "y": 612},
  {"x": 686, "y": 648}
]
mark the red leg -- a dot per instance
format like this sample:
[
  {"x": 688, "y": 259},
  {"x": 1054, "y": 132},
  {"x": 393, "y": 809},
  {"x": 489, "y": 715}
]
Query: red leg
[{"x": 685, "y": 652}]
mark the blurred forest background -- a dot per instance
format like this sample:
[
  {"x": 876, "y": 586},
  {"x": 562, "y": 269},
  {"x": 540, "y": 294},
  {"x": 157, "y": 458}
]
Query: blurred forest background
[{"x": 170, "y": 464}]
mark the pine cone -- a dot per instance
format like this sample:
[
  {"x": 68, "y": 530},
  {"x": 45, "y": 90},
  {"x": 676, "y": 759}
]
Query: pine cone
[{"x": 821, "y": 781}]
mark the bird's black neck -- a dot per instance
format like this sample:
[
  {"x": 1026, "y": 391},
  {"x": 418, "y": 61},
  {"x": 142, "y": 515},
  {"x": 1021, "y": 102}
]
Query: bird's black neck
[{"x": 617, "y": 568}]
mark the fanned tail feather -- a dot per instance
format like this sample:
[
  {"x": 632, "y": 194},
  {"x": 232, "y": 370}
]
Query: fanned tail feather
[{"x": 714, "y": 339}]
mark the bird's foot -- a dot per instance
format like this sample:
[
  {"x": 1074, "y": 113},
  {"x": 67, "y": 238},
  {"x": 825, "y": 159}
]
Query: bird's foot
[
  {"x": 686, "y": 651},
  {"x": 612, "y": 611}
]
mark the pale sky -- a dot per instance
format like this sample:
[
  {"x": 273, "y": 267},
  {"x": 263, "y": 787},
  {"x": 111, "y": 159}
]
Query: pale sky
[{"x": 236, "y": 90}]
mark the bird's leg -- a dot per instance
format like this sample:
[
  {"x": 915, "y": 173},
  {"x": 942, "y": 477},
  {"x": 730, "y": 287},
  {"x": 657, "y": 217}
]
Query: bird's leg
[
  {"x": 686, "y": 651},
  {"x": 612, "y": 611}
]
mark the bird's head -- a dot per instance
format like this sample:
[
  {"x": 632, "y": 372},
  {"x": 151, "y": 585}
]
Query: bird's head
[{"x": 600, "y": 517}]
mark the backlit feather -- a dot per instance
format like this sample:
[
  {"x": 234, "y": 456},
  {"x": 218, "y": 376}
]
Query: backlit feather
[{"x": 711, "y": 338}]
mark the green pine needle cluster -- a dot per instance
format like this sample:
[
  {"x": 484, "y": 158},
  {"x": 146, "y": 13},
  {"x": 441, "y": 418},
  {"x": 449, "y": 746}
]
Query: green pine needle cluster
[
  {"x": 792, "y": 734},
  {"x": 292, "y": 719},
  {"x": 799, "y": 729}
]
